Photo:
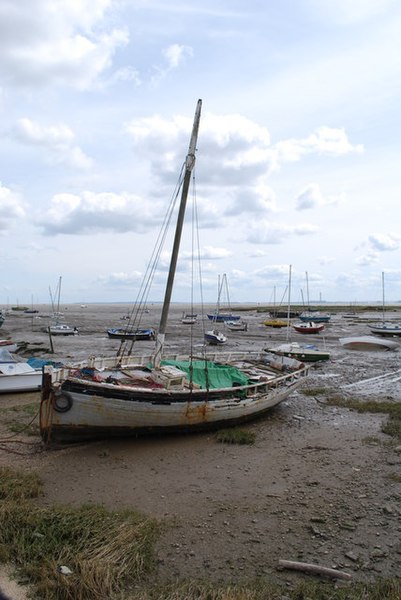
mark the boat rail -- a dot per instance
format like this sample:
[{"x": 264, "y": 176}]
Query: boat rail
[{"x": 59, "y": 374}]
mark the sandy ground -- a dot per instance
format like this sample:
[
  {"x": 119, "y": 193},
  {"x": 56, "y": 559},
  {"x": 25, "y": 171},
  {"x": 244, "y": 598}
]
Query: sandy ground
[{"x": 319, "y": 485}]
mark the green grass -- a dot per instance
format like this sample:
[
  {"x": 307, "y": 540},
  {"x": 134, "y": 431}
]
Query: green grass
[
  {"x": 235, "y": 436},
  {"x": 15, "y": 486},
  {"x": 393, "y": 409},
  {"x": 105, "y": 550},
  {"x": 317, "y": 391},
  {"x": 23, "y": 419},
  {"x": 266, "y": 590},
  {"x": 111, "y": 556}
]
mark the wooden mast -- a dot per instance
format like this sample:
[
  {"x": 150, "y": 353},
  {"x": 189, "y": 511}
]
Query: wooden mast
[{"x": 189, "y": 165}]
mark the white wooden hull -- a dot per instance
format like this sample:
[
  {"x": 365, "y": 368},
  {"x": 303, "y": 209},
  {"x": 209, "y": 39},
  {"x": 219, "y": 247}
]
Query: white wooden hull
[
  {"x": 94, "y": 411},
  {"x": 22, "y": 382},
  {"x": 368, "y": 343},
  {"x": 387, "y": 329}
]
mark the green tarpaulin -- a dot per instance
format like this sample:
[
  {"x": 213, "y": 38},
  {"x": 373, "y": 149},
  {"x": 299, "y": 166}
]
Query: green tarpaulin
[{"x": 210, "y": 375}]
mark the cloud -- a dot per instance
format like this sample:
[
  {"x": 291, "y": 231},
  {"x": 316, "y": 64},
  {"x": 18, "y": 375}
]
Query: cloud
[
  {"x": 92, "y": 212},
  {"x": 325, "y": 260},
  {"x": 174, "y": 56},
  {"x": 383, "y": 242},
  {"x": 233, "y": 147},
  {"x": 120, "y": 279},
  {"x": 11, "y": 208},
  {"x": 325, "y": 140},
  {"x": 312, "y": 197},
  {"x": 264, "y": 232},
  {"x": 59, "y": 42},
  {"x": 125, "y": 74},
  {"x": 370, "y": 258},
  {"x": 259, "y": 198},
  {"x": 58, "y": 140},
  {"x": 235, "y": 159},
  {"x": 350, "y": 11},
  {"x": 212, "y": 253}
]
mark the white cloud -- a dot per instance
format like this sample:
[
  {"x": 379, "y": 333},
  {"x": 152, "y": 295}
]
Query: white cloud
[
  {"x": 92, "y": 212},
  {"x": 121, "y": 279},
  {"x": 11, "y": 208},
  {"x": 312, "y": 197},
  {"x": 368, "y": 259},
  {"x": 212, "y": 253},
  {"x": 326, "y": 260},
  {"x": 264, "y": 232},
  {"x": 43, "y": 42},
  {"x": 384, "y": 242},
  {"x": 235, "y": 159},
  {"x": 206, "y": 253},
  {"x": 58, "y": 140},
  {"x": 174, "y": 56},
  {"x": 350, "y": 11},
  {"x": 259, "y": 198},
  {"x": 325, "y": 140}
]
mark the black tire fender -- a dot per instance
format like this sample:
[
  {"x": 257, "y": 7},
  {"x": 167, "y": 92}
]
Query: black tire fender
[{"x": 62, "y": 402}]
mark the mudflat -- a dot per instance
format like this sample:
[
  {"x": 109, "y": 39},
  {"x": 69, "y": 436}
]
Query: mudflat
[{"x": 321, "y": 483}]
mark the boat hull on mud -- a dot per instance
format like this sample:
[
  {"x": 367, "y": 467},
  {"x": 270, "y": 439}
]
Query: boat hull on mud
[{"x": 73, "y": 408}]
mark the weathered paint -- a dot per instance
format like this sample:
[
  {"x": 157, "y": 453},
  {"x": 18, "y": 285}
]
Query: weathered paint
[{"x": 135, "y": 410}]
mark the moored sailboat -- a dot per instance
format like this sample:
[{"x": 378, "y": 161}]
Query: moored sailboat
[
  {"x": 386, "y": 328},
  {"x": 129, "y": 394}
]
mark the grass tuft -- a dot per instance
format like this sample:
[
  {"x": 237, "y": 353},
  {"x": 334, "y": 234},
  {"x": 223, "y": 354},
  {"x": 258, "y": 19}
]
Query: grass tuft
[
  {"x": 23, "y": 419},
  {"x": 235, "y": 436},
  {"x": 104, "y": 550},
  {"x": 110, "y": 554},
  {"x": 16, "y": 486},
  {"x": 393, "y": 409},
  {"x": 316, "y": 391},
  {"x": 267, "y": 590}
]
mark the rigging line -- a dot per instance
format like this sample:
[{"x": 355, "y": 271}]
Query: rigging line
[
  {"x": 192, "y": 267},
  {"x": 143, "y": 293},
  {"x": 199, "y": 262},
  {"x": 227, "y": 293}
]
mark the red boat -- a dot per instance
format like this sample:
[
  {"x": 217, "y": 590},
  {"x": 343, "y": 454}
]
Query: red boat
[{"x": 309, "y": 327}]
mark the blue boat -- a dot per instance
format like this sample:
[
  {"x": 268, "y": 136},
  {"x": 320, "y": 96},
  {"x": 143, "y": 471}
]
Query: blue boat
[
  {"x": 222, "y": 317},
  {"x": 316, "y": 317},
  {"x": 122, "y": 333}
]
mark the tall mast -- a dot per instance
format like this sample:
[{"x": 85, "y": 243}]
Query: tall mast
[
  {"x": 289, "y": 302},
  {"x": 307, "y": 289},
  {"x": 58, "y": 297},
  {"x": 189, "y": 165}
]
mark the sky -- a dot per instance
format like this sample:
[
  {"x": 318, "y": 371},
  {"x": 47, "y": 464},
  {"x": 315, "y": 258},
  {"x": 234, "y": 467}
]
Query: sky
[{"x": 298, "y": 156}]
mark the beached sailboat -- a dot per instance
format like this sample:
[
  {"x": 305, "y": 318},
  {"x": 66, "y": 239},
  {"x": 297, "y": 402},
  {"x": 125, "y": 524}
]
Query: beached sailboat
[
  {"x": 214, "y": 336},
  {"x": 309, "y": 327},
  {"x": 385, "y": 328},
  {"x": 276, "y": 318},
  {"x": 123, "y": 333},
  {"x": 313, "y": 315},
  {"x": 57, "y": 326},
  {"x": 236, "y": 325},
  {"x": 127, "y": 395},
  {"x": 302, "y": 352},
  {"x": 189, "y": 318},
  {"x": 223, "y": 315}
]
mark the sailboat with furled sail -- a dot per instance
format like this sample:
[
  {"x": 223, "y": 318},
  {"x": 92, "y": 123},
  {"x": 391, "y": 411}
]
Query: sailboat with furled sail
[
  {"x": 386, "y": 328},
  {"x": 128, "y": 394}
]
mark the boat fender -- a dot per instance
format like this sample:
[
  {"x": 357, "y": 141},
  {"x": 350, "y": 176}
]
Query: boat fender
[{"x": 62, "y": 402}]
